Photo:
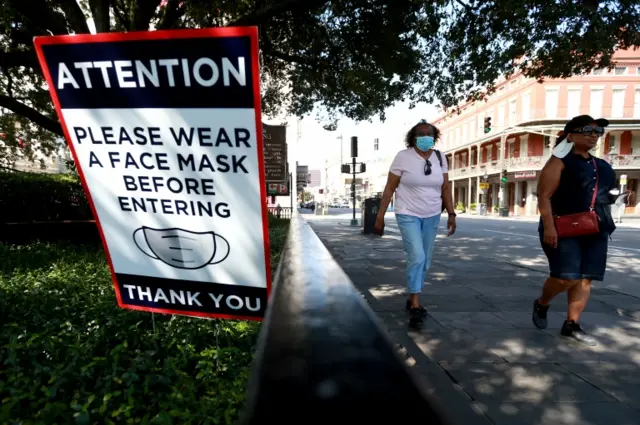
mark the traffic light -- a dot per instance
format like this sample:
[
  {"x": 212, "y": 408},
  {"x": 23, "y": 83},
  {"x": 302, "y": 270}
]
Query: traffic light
[
  {"x": 363, "y": 168},
  {"x": 354, "y": 147},
  {"x": 345, "y": 168},
  {"x": 487, "y": 125},
  {"x": 503, "y": 176}
]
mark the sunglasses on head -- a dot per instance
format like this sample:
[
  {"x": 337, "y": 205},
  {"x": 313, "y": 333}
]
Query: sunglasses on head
[{"x": 588, "y": 130}]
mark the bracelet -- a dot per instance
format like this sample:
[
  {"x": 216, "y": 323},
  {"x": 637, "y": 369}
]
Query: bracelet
[{"x": 453, "y": 215}]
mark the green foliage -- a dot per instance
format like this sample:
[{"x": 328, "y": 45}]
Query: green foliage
[
  {"x": 473, "y": 206},
  {"x": 353, "y": 58},
  {"x": 70, "y": 356},
  {"x": 27, "y": 197},
  {"x": 460, "y": 206}
]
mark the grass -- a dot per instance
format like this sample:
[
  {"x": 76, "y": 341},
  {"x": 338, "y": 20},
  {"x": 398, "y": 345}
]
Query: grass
[{"x": 68, "y": 355}]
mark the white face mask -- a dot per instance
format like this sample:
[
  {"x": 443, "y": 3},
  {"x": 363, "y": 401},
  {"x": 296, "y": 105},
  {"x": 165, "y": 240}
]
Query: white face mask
[
  {"x": 182, "y": 249},
  {"x": 562, "y": 149}
]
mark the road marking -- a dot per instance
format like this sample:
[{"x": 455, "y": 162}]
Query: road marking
[{"x": 531, "y": 236}]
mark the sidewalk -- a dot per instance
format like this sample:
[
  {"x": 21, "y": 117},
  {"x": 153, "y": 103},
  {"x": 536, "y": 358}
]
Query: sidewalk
[
  {"x": 479, "y": 352},
  {"x": 628, "y": 221}
]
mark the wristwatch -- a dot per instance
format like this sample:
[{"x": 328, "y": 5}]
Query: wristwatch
[{"x": 453, "y": 215}]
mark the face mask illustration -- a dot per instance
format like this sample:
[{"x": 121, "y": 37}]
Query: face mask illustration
[{"x": 180, "y": 248}]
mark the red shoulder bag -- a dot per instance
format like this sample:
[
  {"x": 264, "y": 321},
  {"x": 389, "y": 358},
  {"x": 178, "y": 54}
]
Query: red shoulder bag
[{"x": 580, "y": 224}]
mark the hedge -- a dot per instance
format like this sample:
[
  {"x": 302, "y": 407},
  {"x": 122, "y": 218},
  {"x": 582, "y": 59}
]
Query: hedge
[
  {"x": 68, "y": 355},
  {"x": 29, "y": 197}
]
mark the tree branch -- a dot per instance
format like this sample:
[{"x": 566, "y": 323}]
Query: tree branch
[
  {"x": 119, "y": 15},
  {"x": 26, "y": 58},
  {"x": 261, "y": 15},
  {"x": 74, "y": 15},
  {"x": 100, "y": 12},
  {"x": 30, "y": 113},
  {"x": 301, "y": 60},
  {"x": 171, "y": 13},
  {"x": 141, "y": 13},
  {"x": 40, "y": 18}
]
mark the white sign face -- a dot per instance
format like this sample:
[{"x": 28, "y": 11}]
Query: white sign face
[{"x": 166, "y": 134}]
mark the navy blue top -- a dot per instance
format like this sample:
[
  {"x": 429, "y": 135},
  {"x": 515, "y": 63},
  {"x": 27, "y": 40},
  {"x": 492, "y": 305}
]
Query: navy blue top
[{"x": 575, "y": 191}]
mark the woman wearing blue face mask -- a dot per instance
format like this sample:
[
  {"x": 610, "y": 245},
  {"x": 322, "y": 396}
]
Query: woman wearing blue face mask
[{"x": 419, "y": 178}]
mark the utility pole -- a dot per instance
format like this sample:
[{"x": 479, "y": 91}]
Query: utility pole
[
  {"x": 354, "y": 222},
  {"x": 351, "y": 169},
  {"x": 503, "y": 166},
  {"x": 341, "y": 149}
]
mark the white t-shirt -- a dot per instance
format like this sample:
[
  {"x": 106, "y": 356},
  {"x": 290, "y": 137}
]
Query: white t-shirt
[{"x": 418, "y": 195}]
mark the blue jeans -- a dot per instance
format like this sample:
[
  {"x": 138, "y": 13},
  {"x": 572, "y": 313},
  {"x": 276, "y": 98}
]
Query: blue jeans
[{"x": 419, "y": 237}]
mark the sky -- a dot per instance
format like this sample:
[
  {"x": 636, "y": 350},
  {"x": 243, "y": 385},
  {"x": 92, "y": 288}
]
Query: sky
[{"x": 318, "y": 144}]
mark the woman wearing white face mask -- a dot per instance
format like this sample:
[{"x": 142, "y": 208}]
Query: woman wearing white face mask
[{"x": 419, "y": 178}]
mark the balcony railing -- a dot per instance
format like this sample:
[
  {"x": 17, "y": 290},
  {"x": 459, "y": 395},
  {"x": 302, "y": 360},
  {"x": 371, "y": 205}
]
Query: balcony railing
[
  {"x": 525, "y": 163},
  {"x": 623, "y": 161}
]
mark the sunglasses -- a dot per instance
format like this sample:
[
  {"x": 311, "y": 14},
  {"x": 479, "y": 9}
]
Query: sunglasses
[
  {"x": 427, "y": 168},
  {"x": 589, "y": 130}
]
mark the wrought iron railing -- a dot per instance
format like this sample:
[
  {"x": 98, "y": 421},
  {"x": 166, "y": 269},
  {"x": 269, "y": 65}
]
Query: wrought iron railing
[{"x": 280, "y": 212}]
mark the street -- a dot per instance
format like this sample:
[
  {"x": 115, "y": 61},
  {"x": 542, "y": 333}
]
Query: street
[{"x": 479, "y": 355}]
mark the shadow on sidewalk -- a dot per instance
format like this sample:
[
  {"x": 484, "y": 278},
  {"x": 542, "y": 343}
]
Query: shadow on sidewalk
[{"x": 479, "y": 352}]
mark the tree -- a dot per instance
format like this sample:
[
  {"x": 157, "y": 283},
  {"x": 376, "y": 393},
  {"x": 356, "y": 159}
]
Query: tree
[{"x": 354, "y": 58}]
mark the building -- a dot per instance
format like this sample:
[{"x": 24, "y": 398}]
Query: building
[{"x": 526, "y": 117}]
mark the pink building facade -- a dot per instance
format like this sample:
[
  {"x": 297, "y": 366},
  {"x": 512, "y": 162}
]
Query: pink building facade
[{"x": 526, "y": 117}]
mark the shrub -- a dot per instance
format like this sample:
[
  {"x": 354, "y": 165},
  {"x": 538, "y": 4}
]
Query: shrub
[
  {"x": 69, "y": 355},
  {"x": 28, "y": 197}
]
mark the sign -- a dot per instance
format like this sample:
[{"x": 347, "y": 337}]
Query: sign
[
  {"x": 277, "y": 189},
  {"x": 623, "y": 180},
  {"x": 275, "y": 152},
  {"x": 484, "y": 185},
  {"x": 164, "y": 127},
  {"x": 525, "y": 175}
]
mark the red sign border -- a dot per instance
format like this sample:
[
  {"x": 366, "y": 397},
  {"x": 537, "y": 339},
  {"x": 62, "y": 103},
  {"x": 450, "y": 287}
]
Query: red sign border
[{"x": 252, "y": 33}]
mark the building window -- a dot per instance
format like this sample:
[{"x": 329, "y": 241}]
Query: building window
[
  {"x": 635, "y": 144},
  {"x": 617, "y": 104},
  {"x": 480, "y": 129},
  {"x": 465, "y": 132},
  {"x": 526, "y": 107},
  {"x": 636, "y": 104},
  {"x": 573, "y": 102},
  {"x": 524, "y": 146},
  {"x": 613, "y": 146},
  {"x": 551, "y": 102},
  {"x": 472, "y": 128},
  {"x": 620, "y": 70},
  {"x": 501, "y": 113},
  {"x": 512, "y": 112},
  {"x": 599, "y": 71},
  {"x": 457, "y": 142},
  {"x": 376, "y": 144},
  {"x": 596, "y": 102}
]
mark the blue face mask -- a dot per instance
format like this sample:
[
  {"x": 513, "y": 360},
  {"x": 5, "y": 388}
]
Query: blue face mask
[{"x": 424, "y": 143}]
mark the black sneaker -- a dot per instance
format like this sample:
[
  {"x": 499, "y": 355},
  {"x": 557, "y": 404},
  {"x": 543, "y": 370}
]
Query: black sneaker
[
  {"x": 416, "y": 318},
  {"x": 539, "y": 315},
  {"x": 423, "y": 310},
  {"x": 572, "y": 330}
]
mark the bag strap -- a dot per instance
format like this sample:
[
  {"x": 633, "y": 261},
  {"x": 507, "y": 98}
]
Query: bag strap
[
  {"x": 595, "y": 189},
  {"x": 439, "y": 155}
]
